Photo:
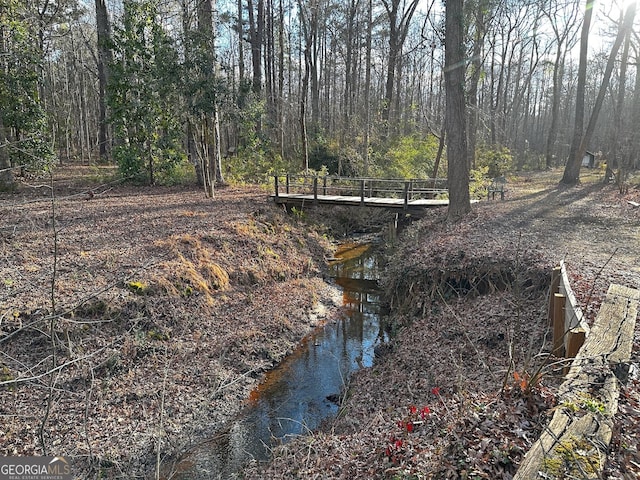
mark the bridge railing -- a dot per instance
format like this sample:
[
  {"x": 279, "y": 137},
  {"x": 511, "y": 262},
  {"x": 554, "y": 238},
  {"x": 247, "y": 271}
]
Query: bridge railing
[{"x": 363, "y": 187}]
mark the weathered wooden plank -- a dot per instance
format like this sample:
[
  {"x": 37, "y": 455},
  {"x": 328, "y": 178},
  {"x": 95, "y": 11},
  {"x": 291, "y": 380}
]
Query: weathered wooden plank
[
  {"x": 572, "y": 309},
  {"x": 575, "y": 442},
  {"x": 573, "y": 316}
]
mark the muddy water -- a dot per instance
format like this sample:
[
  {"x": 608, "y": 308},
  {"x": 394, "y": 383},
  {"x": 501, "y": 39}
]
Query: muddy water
[{"x": 304, "y": 389}]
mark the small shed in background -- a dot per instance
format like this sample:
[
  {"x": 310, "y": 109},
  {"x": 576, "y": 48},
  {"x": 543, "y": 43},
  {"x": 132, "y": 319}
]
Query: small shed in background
[{"x": 589, "y": 160}]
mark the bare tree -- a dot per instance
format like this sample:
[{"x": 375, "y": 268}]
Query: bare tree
[
  {"x": 479, "y": 33},
  {"x": 571, "y": 174},
  {"x": 103, "y": 29},
  {"x": 619, "y": 157},
  {"x": 367, "y": 87},
  {"x": 307, "y": 32},
  {"x": 572, "y": 170},
  {"x": 635, "y": 112},
  {"x": 564, "y": 35},
  {"x": 399, "y": 14}
]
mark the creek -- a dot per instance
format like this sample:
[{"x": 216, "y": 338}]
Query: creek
[{"x": 304, "y": 389}]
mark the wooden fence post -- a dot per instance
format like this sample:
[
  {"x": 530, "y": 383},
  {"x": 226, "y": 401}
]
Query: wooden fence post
[
  {"x": 559, "y": 301},
  {"x": 554, "y": 288},
  {"x": 575, "y": 339}
]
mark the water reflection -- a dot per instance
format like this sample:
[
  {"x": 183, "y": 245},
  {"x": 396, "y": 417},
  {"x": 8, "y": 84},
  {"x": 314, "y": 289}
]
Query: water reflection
[{"x": 304, "y": 389}]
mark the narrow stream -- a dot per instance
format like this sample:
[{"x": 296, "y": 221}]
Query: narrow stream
[{"x": 303, "y": 390}]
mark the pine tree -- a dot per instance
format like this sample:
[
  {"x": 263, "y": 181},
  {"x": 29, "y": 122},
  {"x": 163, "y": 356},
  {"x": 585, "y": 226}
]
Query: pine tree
[{"x": 143, "y": 95}]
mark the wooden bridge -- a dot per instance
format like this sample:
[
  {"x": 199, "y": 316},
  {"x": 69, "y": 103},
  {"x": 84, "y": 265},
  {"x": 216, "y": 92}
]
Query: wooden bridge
[{"x": 396, "y": 194}]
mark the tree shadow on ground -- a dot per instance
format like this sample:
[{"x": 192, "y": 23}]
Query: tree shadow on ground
[{"x": 544, "y": 203}]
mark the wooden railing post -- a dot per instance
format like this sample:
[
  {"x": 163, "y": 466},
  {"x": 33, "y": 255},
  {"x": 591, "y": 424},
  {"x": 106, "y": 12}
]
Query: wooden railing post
[
  {"x": 554, "y": 288},
  {"x": 315, "y": 190},
  {"x": 288, "y": 182},
  {"x": 362, "y": 187},
  {"x": 575, "y": 339},
  {"x": 406, "y": 195},
  {"x": 276, "y": 185},
  {"x": 559, "y": 302},
  {"x": 324, "y": 185}
]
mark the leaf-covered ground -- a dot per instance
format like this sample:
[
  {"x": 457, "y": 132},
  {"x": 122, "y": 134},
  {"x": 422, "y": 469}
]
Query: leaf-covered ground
[
  {"x": 451, "y": 397},
  {"x": 166, "y": 307}
]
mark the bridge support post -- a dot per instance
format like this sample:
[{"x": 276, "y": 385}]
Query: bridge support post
[
  {"x": 406, "y": 195},
  {"x": 315, "y": 190}
]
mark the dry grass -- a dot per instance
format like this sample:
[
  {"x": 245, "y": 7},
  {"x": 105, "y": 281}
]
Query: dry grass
[{"x": 191, "y": 269}]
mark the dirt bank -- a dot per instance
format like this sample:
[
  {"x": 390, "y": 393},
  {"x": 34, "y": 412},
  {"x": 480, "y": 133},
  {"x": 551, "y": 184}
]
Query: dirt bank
[{"x": 135, "y": 321}]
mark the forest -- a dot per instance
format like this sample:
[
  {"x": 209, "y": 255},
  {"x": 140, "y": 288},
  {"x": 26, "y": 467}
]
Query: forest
[
  {"x": 220, "y": 91},
  {"x": 148, "y": 283}
]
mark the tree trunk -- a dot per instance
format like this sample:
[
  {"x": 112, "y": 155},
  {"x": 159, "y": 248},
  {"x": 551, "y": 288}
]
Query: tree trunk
[
  {"x": 349, "y": 74},
  {"x": 217, "y": 153},
  {"x": 6, "y": 174},
  {"x": 305, "y": 85},
  {"x": 207, "y": 164},
  {"x": 211, "y": 125},
  {"x": 256, "y": 33},
  {"x": 619, "y": 155},
  {"x": 635, "y": 115},
  {"x": 192, "y": 153},
  {"x": 281, "y": 49},
  {"x": 7, "y": 181},
  {"x": 103, "y": 29},
  {"x": 312, "y": 41},
  {"x": 399, "y": 21},
  {"x": 555, "y": 107},
  {"x": 441, "y": 145},
  {"x": 476, "y": 65},
  {"x": 240, "y": 27},
  {"x": 269, "y": 66},
  {"x": 456, "y": 122},
  {"x": 571, "y": 174},
  {"x": 367, "y": 89}
]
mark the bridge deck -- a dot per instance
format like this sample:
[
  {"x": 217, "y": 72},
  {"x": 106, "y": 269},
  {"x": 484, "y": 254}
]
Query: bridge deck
[
  {"x": 395, "y": 203},
  {"x": 399, "y": 194}
]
